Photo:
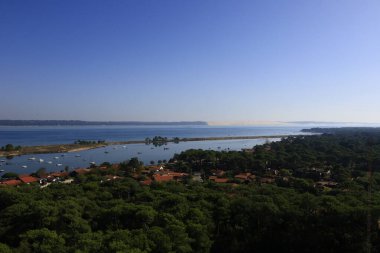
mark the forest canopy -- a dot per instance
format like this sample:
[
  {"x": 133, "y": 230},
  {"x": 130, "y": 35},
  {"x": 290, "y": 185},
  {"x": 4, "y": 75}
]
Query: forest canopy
[{"x": 291, "y": 214}]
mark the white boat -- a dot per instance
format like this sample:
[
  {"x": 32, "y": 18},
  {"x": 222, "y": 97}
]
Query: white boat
[
  {"x": 49, "y": 162},
  {"x": 24, "y": 166},
  {"x": 59, "y": 164},
  {"x": 31, "y": 158},
  {"x": 2, "y": 170},
  {"x": 41, "y": 160},
  {"x": 92, "y": 163},
  {"x": 56, "y": 157}
]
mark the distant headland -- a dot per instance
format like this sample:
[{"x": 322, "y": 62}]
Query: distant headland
[{"x": 97, "y": 123}]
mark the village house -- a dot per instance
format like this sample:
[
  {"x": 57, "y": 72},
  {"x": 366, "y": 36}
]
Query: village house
[
  {"x": 217, "y": 179},
  {"x": 80, "y": 171},
  {"x": 28, "y": 179},
  {"x": 164, "y": 176},
  {"x": 221, "y": 180},
  {"x": 245, "y": 177},
  {"x": 11, "y": 182}
]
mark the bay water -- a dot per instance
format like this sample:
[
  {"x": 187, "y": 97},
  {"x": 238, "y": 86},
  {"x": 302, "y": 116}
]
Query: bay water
[{"x": 28, "y": 136}]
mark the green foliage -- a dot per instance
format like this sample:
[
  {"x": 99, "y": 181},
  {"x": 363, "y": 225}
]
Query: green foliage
[
  {"x": 10, "y": 175},
  {"x": 42, "y": 241},
  {"x": 293, "y": 216},
  {"x": 10, "y": 147}
]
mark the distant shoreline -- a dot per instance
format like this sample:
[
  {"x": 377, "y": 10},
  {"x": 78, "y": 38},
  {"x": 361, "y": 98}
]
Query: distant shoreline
[
  {"x": 98, "y": 123},
  {"x": 65, "y": 148}
]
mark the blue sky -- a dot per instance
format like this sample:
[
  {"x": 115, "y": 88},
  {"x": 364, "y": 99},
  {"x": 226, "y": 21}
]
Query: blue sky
[{"x": 190, "y": 60}]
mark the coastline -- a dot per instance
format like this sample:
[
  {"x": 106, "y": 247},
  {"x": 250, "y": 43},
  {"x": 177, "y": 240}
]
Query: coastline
[{"x": 68, "y": 148}]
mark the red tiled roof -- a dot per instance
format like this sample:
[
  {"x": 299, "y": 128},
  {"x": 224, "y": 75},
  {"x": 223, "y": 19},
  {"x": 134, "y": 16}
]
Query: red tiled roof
[
  {"x": 176, "y": 174},
  {"x": 59, "y": 174},
  {"x": 11, "y": 182},
  {"x": 243, "y": 176},
  {"x": 28, "y": 179},
  {"x": 221, "y": 180},
  {"x": 82, "y": 171},
  {"x": 162, "y": 178}
]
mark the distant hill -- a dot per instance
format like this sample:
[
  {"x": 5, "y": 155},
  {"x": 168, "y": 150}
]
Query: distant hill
[
  {"x": 96, "y": 123},
  {"x": 343, "y": 130},
  {"x": 245, "y": 123}
]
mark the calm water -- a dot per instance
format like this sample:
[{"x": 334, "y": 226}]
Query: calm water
[
  {"x": 28, "y": 136},
  {"x": 146, "y": 153}
]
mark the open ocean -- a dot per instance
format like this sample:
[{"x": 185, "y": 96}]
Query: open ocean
[{"x": 28, "y": 136}]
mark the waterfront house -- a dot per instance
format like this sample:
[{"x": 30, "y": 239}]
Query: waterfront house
[{"x": 28, "y": 179}]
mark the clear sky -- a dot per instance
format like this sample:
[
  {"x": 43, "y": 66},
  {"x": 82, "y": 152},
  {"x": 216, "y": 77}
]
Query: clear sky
[{"x": 164, "y": 60}]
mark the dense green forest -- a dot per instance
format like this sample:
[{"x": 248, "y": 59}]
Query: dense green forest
[{"x": 290, "y": 215}]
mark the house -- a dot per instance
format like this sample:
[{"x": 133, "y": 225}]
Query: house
[
  {"x": 218, "y": 180},
  {"x": 221, "y": 180},
  {"x": 245, "y": 177},
  {"x": 12, "y": 182},
  {"x": 59, "y": 174},
  {"x": 176, "y": 175},
  {"x": 162, "y": 178},
  {"x": 80, "y": 171},
  {"x": 28, "y": 179}
]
